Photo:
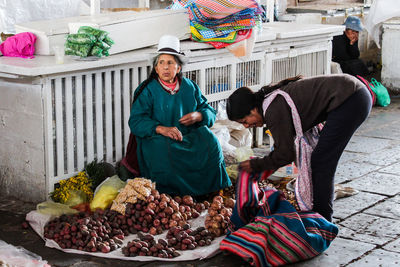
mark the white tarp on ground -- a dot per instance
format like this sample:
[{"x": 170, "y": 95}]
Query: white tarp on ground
[
  {"x": 380, "y": 11},
  {"x": 37, "y": 221},
  {"x": 19, "y": 11}
]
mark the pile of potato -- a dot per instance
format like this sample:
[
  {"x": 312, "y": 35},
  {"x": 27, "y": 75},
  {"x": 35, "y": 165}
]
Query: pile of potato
[
  {"x": 218, "y": 216},
  {"x": 178, "y": 238},
  {"x": 150, "y": 215},
  {"x": 95, "y": 232}
]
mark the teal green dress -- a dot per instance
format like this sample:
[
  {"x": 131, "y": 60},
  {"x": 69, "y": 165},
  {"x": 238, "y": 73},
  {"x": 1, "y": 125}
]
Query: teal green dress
[{"x": 194, "y": 166}]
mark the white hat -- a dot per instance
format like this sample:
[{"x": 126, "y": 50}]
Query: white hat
[{"x": 169, "y": 44}]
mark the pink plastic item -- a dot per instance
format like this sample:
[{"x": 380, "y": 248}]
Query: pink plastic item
[{"x": 19, "y": 45}]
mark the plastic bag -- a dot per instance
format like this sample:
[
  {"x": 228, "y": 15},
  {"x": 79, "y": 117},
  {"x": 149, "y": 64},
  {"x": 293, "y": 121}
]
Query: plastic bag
[
  {"x": 379, "y": 12},
  {"x": 106, "y": 192},
  {"x": 382, "y": 94},
  {"x": 96, "y": 51},
  {"x": 241, "y": 138},
  {"x": 103, "y": 45},
  {"x": 232, "y": 171},
  {"x": 81, "y": 38},
  {"x": 75, "y": 197},
  {"x": 108, "y": 41},
  {"x": 54, "y": 208},
  {"x": 81, "y": 50},
  {"x": 99, "y": 34},
  {"x": 19, "y": 256},
  {"x": 243, "y": 153}
]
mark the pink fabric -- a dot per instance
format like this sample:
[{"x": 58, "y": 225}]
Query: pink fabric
[{"x": 19, "y": 45}]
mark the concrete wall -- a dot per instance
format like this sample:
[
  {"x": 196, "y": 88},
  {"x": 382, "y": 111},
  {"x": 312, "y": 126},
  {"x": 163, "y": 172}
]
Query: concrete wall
[{"x": 22, "y": 170}]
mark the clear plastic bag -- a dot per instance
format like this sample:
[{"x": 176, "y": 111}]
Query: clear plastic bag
[
  {"x": 76, "y": 197},
  {"x": 54, "y": 208},
  {"x": 106, "y": 192},
  {"x": 19, "y": 256}
]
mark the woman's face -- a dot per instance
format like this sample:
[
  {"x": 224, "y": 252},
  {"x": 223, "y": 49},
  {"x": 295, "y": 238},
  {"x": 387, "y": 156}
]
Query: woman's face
[
  {"x": 254, "y": 119},
  {"x": 167, "y": 68}
]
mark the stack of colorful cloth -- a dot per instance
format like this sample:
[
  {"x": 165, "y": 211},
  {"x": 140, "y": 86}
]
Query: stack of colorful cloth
[{"x": 221, "y": 22}]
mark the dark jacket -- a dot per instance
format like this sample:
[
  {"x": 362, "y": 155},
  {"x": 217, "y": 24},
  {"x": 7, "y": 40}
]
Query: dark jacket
[
  {"x": 314, "y": 98},
  {"x": 348, "y": 56},
  {"x": 342, "y": 50}
]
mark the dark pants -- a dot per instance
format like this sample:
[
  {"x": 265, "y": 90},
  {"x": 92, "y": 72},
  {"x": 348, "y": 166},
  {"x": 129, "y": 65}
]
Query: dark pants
[
  {"x": 340, "y": 126},
  {"x": 354, "y": 67}
]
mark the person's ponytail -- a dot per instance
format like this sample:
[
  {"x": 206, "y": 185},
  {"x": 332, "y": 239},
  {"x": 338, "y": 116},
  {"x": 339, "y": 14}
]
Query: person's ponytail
[
  {"x": 266, "y": 90},
  {"x": 153, "y": 75}
]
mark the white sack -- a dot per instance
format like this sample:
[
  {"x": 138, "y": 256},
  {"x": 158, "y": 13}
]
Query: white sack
[
  {"x": 380, "y": 11},
  {"x": 20, "y": 11}
]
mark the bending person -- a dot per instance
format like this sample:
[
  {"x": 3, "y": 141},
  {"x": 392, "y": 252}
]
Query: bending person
[
  {"x": 170, "y": 119},
  {"x": 341, "y": 101}
]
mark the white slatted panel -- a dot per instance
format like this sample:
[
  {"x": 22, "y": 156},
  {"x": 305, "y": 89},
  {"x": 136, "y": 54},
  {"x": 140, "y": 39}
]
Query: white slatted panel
[
  {"x": 126, "y": 98},
  {"x": 89, "y": 138},
  {"x": 117, "y": 123},
  {"x": 59, "y": 125},
  {"x": 69, "y": 129},
  {"x": 88, "y": 118},
  {"x": 99, "y": 116},
  {"x": 79, "y": 126},
  {"x": 108, "y": 122}
]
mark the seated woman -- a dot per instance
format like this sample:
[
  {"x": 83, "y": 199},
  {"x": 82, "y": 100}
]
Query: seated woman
[{"x": 170, "y": 119}]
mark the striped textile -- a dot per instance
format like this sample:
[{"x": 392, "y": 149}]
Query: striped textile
[
  {"x": 266, "y": 230},
  {"x": 218, "y": 19}
]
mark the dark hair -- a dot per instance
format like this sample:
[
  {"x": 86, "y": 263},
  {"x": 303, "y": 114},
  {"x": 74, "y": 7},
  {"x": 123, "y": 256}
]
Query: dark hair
[
  {"x": 240, "y": 103},
  {"x": 153, "y": 74}
]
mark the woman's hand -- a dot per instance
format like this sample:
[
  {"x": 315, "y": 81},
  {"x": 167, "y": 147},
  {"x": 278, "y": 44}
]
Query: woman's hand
[
  {"x": 191, "y": 118},
  {"x": 245, "y": 166},
  {"x": 171, "y": 132}
]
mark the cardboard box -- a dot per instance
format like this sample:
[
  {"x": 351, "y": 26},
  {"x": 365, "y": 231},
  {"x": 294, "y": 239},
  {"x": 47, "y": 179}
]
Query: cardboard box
[{"x": 129, "y": 29}]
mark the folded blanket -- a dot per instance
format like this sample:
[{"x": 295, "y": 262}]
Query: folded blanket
[{"x": 266, "y": 230}]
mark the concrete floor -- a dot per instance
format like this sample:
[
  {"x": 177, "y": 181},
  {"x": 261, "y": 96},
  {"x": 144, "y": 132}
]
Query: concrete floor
[{"x": 368, "y": 221}]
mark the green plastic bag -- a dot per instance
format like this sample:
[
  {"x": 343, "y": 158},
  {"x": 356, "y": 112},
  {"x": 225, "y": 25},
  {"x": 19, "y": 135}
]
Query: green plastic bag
[
  {"x": 81, "y": 38},
  {"x": 382, "y": 94},
  {"x": 99, "y": 34},
  {"x": 96, "y": 51},
  {"x": 81, "y": 50},
  {"x": 102, "y": 45},
  {"x": 108, "y": 40}
]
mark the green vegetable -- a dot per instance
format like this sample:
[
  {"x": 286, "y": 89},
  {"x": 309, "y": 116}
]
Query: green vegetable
[
  {"x": 108, "y": 40},
  {"x": 81, "y": 50},
  {"x": 102, "y": 45},
  {"x": 81, "y": 38},
  {"x": 96, "y": 51},
  {"x": 99, "y": 34},
  {"x": 105, "y": 53}
]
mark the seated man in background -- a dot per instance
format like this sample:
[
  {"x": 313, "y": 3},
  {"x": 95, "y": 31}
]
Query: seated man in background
[{"x": 345, "y": 48}]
